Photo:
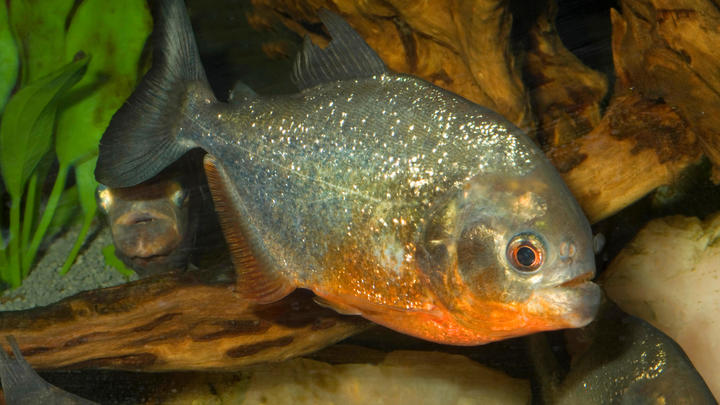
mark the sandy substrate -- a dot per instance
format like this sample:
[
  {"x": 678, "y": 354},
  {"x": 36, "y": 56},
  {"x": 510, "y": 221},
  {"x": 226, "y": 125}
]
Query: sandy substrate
[{"x": 45, "y": 285}]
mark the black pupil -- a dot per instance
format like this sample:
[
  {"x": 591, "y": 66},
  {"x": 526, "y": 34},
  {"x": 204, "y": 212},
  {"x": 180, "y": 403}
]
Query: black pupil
[{"x": 525, "y": 256}]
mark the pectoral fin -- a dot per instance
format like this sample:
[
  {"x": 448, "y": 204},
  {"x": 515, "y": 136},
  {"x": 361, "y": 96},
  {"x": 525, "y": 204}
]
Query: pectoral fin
[
  {"x": 256, "y": 280},
  {"x": 339, "y": 308}
]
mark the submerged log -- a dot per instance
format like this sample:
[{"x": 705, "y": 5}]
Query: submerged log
[
  {"x": 667, "y": 49},
  {"x": 565, "y": 94},
  {"x": 172, "y": 323},
  {"x": 638, "y": 146}
]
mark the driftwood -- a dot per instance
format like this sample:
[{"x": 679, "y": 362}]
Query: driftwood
[
  {"x": 565, "y": 94},
  {"x": 638, "y": 146},
  {"x": 172, "y": 323},
  {"x": 667, "y": 49},
  {"x": 665, "y": 111}
]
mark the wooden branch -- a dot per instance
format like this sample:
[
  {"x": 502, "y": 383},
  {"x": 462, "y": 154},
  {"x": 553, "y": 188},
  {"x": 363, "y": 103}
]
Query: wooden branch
[
  {"x": 172, "y": 323},
  {"x": 565, "y": 94},
  {"x": 638, "y": 146},
  {"x": 668, "y": 50}
]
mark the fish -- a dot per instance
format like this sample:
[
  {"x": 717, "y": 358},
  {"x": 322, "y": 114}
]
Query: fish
[
  {"x": 387, "y": 196},
  {"x": 22, "y": 385},
  {"x": 628, "y": 361},
  {"x": 165, "y": 223},
  {"x": 150, "y": 224}
]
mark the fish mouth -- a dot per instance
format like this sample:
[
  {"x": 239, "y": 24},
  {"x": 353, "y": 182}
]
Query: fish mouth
[
  {"x": 578, "y": 281},
  {"x": 148, "y": 260},
  {"x": 144, "y": 217},
  {"x": 574, "y": 303}
]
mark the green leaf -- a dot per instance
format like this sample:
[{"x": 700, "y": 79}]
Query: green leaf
[
  {"x": 29, "y": 214},
  {"x": 28, "y": 256},
  {"x": 113, "y": 261},
  {"x": 13, "y": 275},
  {"x": 79, "y": 241},
  {"x": 41, "y": 26},
  {"x": 114, "y": 33},
  {"x": 8, "y": 57},
  {"x": 26, "y": 129},
  {"x": 66, "y": 212},
  {"x": 86, "y": 184}
]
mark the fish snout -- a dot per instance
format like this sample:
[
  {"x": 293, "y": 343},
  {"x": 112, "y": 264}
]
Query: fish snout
[
  {"x": 146, "y": 237},
  {"x": 572, "y": 303},
  {"x": 587, "y": 297}
]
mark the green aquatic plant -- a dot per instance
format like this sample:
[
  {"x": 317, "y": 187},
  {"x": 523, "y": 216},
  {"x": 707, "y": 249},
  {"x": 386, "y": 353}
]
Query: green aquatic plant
[
  {"x": 25, "y": 137},
  {"x": 59, "y": 114},
  {"x": 8, "y": 58},
  {"x": 112, "y": 260}
]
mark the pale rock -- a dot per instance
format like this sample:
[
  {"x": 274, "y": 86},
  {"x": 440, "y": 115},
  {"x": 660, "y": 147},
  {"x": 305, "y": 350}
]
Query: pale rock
[
  {"x": 669, "y": 275},
  {"x": 403, "y": 377}
]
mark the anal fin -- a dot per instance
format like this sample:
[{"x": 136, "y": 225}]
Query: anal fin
[{"x": 255, "y": 279}]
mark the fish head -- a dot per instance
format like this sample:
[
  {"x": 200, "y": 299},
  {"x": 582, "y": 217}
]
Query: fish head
[
  {"x": 511, "y": 254},
  {"x": 149, "y": 224}
]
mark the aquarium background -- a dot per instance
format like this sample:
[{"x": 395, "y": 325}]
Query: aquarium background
[{"x": 234, "y": 47}]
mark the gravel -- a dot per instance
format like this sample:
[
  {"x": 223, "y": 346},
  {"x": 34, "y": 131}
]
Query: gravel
[{"x": 45, "y": 285}]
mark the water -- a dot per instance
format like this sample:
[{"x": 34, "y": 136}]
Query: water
[{"x": 233, "y": 50}]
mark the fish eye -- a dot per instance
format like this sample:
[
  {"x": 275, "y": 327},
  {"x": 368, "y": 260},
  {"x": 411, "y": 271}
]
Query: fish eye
[
  {"x": 526, "y": 252},
  {"x": 180, "y": 197},
  {"x": 104, "y": 198}
]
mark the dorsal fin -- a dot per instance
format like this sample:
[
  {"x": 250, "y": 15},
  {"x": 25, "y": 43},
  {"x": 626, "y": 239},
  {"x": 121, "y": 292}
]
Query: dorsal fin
[
  {"x": 255, "y": 280},
  {"x": 148, "y": 132},
  {"x": 347, "y": 57}
]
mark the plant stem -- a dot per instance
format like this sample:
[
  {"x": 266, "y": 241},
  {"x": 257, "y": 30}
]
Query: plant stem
[
  {"x": 87, "y": 221},
  {"x": 14, "y": 276},
  {"x": 3, "y": 254},
  {"x": 47, "y": 215},
  {"x": 29, "y": 216}
]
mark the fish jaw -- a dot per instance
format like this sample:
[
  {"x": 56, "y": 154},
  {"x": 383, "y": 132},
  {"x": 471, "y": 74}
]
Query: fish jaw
[
  {"x": 474, "y": 323},
  {"x": 572, "y": 304},
  {"x": 433, "y": 323}
]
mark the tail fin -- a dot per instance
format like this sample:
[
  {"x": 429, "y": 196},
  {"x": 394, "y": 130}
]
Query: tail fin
[{"x": 144, "y": 134}]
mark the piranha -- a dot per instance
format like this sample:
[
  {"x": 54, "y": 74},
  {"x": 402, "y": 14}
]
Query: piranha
[
  {"x": 165, "y": 223},
  {"x": 385, "y": 195},
  {"x": 150, "y": 224},
  {"x": 22, "y": 385}
]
